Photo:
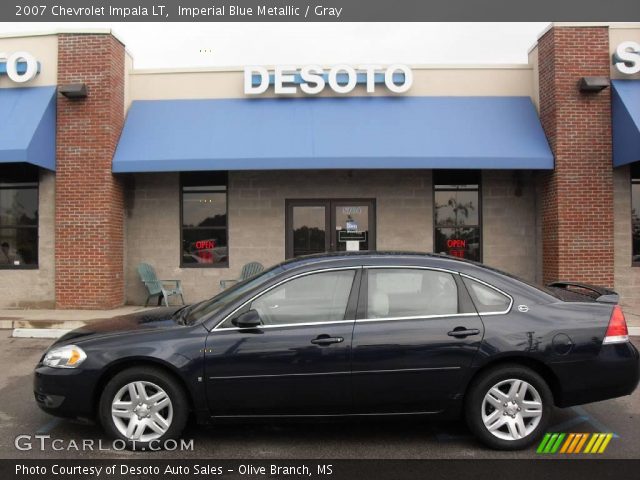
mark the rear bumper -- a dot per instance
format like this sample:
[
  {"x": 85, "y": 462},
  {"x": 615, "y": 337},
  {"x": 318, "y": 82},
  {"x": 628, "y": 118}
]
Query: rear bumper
[
  {"x": 615, "y": 372},
  {"x": 64, "y": 392}
]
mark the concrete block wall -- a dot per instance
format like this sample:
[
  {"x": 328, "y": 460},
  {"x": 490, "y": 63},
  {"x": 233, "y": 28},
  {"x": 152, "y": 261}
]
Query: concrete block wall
[
  {"x": 35, "y": 288},
  {"x": 509, "y": 216},
  {"x": 404, "y": 220},
  {"x": 257, "y": 219},
  {"x": 627, "y": 278}
]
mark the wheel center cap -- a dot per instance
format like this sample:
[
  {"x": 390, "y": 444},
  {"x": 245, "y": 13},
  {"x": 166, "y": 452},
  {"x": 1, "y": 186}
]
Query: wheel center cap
[{"x": 142, "y": 411}]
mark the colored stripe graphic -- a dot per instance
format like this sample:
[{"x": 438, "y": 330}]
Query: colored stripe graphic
[{"x": 573, "y": 443}]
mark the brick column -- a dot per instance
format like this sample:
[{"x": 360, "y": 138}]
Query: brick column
[
  {"x": 577, "y": 203},
  {"x": 89, "y": 249}
]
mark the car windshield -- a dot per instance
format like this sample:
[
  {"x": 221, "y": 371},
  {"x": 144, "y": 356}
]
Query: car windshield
[{"x": 199, "y": 311}]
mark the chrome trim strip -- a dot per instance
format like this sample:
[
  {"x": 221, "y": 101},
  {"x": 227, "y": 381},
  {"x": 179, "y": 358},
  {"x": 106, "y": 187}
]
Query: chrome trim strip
[
  {"x": 293, "y": 277},
  {"x": 399, "y": 370},
  {"x": 494, "y": 288},
  {"x": 411, "y": 267},
  {"x": 284, "y": 325},
  {"x": 426, "y": 369},
  {"x": 312, "y": 374},
  {"x": 327, "y": 415}
]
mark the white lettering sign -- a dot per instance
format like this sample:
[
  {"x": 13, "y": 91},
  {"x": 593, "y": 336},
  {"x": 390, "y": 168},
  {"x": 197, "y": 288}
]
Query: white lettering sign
[
  {"x": 20, "y": 66},
  {"x": 627, "y": 58},
  {"x": 313, "y": 79}
]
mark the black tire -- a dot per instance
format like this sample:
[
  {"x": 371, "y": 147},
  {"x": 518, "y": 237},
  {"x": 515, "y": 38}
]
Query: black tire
[
  {"x": 156, "y": 376},
  {"x": 481, "y": 385}
]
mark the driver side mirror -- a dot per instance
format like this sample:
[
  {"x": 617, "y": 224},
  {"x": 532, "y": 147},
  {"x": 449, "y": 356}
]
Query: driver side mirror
[{"x": 248, "y": 319}]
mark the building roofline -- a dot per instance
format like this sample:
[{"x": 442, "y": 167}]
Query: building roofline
[
  {"x": 222, "y": 69},
  {"x": 58, "y": 31}
]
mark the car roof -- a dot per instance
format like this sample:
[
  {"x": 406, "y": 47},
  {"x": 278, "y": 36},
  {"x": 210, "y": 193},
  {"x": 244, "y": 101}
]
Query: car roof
[{"x": 380, "y": 257}]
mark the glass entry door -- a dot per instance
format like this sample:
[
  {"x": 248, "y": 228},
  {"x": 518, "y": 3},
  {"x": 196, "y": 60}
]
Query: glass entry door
[{"x": 317, "y": 226}]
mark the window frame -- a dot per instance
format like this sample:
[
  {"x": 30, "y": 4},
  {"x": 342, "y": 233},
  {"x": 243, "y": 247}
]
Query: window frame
[
  {"x": 185, "y": 182},
  {"x": 455, "y": 173},
  {"x": 20, "y": 185},
  {"x": 464, "y": 300},
  {"x": 634, "y": 175},
  {"x": 502, "y": 292},
  {"x": 350, "y": 311}
]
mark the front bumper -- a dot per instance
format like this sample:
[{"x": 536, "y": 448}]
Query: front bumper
[
  {"x": 613, "y": 373},
  {"x": 65, "y": 392}
]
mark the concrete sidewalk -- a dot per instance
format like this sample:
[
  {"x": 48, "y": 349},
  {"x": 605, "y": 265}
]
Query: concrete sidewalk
[{"x": 52, "y": 323}]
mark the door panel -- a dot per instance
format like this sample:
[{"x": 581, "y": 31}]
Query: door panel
[
  {"x": 404, "y": 356},
  {"x": 298, "y": 361},
  {"x": 279, "y": 371}
]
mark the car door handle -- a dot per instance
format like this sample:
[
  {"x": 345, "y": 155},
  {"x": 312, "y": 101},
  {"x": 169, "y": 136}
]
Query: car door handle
[
  {"x": 462, "y": 332},
  {"x": 326, "y": 340}
]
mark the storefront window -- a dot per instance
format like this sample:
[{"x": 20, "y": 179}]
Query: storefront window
[
  {"x": 204, "y": 233},
  {"x": 635, "y": 213},
  {"x": 18, "y": 216},
  {"x": 457, "y": 216}
]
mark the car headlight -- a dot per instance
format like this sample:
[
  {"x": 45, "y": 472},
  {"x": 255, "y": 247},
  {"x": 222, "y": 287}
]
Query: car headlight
[{"x": 67, "y": 356}]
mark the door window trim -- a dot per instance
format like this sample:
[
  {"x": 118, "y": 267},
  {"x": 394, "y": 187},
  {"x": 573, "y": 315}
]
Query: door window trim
[
  {"x": 365, "y": 293},
  {"x": 283, "y": 281}
]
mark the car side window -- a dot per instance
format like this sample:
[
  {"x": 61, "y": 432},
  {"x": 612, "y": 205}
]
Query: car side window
[
  {"x": 318, "y": 297},
  {"x": 485, "y": 298},
  {"x": 410, "y": 293}
]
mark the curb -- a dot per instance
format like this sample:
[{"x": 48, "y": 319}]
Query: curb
[{"x": 39, "y": 332}]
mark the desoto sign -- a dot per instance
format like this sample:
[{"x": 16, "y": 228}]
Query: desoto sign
[
  {"x": 627, "y": 58},
  {"x": 313, "y": 79},
  {"x": 20, "y": 67}
]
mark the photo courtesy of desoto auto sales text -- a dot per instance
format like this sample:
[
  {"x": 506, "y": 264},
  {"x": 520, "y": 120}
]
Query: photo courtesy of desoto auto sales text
[{"x": 338, "y": 240}]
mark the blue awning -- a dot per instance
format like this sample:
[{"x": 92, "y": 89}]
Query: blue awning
[
  {"x": 332, "y": 133},
  {"x": 28, "y": 126},
  {"x": 625, "y": 123}
]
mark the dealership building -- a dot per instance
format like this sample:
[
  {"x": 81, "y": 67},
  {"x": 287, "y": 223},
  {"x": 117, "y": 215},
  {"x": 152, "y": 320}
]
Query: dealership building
[{"x": 531, "y": 168}]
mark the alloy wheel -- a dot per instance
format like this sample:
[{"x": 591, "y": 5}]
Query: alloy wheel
[
  {"x": 512, "y": 409},
  {"x": 142, "y": 411}
]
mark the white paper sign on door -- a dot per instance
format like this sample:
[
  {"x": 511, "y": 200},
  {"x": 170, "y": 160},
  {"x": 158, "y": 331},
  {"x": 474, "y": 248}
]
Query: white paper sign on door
[{"x": 353, "y": 245}]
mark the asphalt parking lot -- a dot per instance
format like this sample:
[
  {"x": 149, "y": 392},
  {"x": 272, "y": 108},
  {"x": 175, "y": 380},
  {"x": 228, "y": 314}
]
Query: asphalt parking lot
[{"x": 389, "y": 439}]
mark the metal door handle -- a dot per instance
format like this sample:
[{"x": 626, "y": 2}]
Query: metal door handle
[
  {"x": 326, "y": 340},
  {"x": 461, "y": 332}
]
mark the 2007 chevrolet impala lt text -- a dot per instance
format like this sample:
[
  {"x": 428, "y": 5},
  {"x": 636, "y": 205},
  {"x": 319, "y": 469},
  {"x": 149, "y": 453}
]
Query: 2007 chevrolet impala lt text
[{"x": 368, "y": 333}]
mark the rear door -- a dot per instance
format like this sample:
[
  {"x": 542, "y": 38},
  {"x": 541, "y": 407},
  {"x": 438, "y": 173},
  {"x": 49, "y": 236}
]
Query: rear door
[{"x": 415, "y": 335}]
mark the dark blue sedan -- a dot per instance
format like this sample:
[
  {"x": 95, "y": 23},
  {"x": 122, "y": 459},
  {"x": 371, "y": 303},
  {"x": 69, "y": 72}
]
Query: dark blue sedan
[{"x": 361, "y": 334}]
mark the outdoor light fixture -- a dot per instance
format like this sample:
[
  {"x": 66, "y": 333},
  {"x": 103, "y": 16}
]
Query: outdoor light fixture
[
  {"x": 593, "y": 84},
  {"x": 73, "y": 91}
]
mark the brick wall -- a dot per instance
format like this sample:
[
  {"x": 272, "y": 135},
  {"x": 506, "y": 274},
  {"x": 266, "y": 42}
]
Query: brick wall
[
  {"x": 577, "y": 201},
  {"x": 89, "y": 199}
]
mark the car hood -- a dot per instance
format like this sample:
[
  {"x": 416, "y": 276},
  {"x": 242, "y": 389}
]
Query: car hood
[{"x": 131, "y": 323}]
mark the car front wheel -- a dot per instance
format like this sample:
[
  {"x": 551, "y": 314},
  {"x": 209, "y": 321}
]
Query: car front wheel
[
  {"x": 143, "y": 406},
  {"x": 508, "y": 407}
]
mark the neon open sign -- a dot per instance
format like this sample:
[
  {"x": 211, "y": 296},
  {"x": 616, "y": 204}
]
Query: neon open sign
[
  {"x": 205, "y": 244},
  {"x": 456, "y": 243},
  {"x": 20, "y": 67}
]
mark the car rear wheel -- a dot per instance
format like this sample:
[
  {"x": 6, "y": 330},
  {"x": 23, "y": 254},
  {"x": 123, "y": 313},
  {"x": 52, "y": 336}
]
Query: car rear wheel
[
  {"x": 508, "y": 407},
  {"x": 144, "y": 406}
]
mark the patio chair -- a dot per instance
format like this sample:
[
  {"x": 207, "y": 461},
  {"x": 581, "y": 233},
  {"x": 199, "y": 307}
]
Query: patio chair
[
  {"x": 251, "y": 269},
  {"x": 160, "y": 288}
]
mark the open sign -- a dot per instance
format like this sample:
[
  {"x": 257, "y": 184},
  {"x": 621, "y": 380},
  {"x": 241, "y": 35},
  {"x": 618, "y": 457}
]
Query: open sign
[
  {"x": 456, "y": 243},
  {"x": 205, "y": 244}
]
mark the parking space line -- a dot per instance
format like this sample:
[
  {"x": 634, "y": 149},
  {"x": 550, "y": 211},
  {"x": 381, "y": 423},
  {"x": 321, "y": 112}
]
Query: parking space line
[
  {"x": 569, "y": 423},
  {"x": 595, "y": 423},
  {"x": 47, "y": 427}
]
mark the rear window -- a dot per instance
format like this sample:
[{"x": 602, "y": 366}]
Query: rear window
[{"x": 487, "y": 299}]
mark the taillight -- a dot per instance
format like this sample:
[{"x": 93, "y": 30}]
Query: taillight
[{"x": 617, "y": 330}]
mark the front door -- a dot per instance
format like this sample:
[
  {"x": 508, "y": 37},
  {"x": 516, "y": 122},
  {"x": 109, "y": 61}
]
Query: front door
[
  {"x": 298, "y": 361},
  {"x": 318, "y": 226}
]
